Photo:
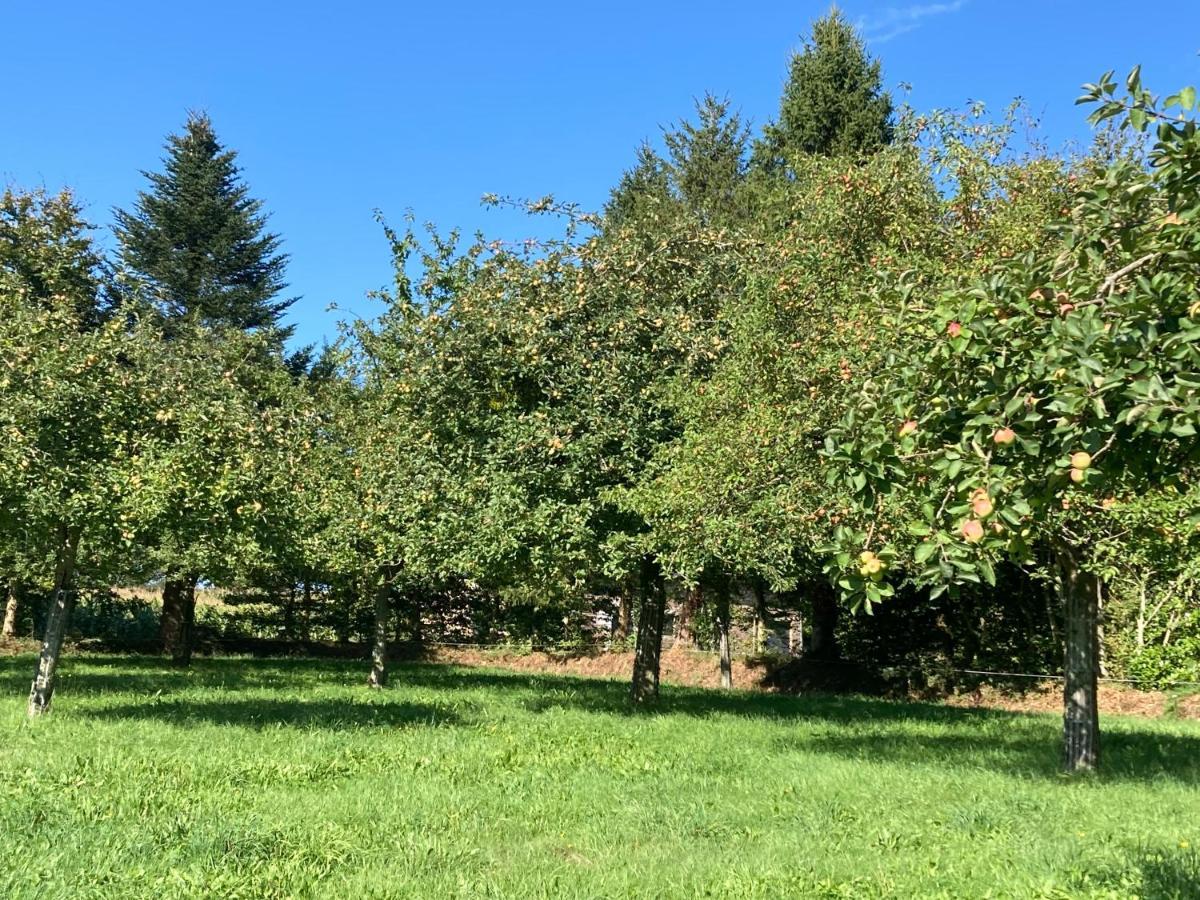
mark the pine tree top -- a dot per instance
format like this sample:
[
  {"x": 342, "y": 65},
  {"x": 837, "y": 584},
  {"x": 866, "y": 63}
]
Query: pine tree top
[
  {"x": 833, "y": 103},
  {"x": 199, "y": 242}
]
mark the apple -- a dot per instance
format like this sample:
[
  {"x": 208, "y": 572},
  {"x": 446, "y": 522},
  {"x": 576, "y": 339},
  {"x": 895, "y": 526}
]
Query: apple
[
  {"x": 954, "y": 329},
  {"x": 908, "y": 428},
  {"x": 871, "y": 565},
  {"x": 1081, "y": 460},
  {"x": 972, "y": 531},
  {"x": 982, "y": 506},
  {"x": 1004, "y": 436},
  {"x": 1077, "y": 475}
]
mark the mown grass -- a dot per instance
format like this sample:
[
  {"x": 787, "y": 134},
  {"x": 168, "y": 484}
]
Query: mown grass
[{"x": 250, "y": 778}]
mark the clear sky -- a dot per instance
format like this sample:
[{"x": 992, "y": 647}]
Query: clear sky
[{"x": 337, "y": 109}]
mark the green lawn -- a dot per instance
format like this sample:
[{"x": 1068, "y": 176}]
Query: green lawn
[{"x": 245, "y": 778}]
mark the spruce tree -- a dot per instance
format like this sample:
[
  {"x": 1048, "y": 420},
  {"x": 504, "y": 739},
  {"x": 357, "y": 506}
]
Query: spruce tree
[
  {"x": 198, "y": 244},
  {"x": 643, "y": 191},
  {"x": 708, "y": 159},
  {"x": 198, "y": 240},
  {"x": 703, "y": 169},
  {"x": 833, "y": 103}
]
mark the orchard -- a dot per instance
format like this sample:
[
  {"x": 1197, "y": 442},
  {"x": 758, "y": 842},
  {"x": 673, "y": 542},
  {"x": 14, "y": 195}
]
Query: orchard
[{"x": 864, "y": 403}]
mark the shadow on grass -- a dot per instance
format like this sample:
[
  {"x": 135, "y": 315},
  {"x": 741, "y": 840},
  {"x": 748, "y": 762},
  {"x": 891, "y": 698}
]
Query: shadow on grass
[
  {"x": 263, "y": 714},
  {"x": 91, "y": 675},
  {"x": 854, "y": 727},
  {"x": 1169, "y": 874}
]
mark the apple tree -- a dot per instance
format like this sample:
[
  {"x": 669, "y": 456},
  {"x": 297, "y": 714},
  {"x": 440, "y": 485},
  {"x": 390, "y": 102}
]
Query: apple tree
[{"x": 1019, "y": 401}]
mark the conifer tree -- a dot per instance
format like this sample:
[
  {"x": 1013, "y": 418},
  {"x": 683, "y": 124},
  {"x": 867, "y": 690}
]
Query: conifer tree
[
  {"x": 644, "y": 190},
  {"x": 198, "y": 240},
  {"x": 708, "y": 159},
  {"x": 833, "y": 103},
  {"x": 197, "y": 243},
  {"x": 704, "y": 165}
]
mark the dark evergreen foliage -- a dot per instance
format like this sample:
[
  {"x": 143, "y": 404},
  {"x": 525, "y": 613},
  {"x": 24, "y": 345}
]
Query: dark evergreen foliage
[
  {"x": 198, "y": 240},
  {"x": 833, "y": 103}
]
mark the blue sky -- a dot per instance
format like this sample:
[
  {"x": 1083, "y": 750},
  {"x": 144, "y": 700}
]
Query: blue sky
[{"x": 339, "y": 109}]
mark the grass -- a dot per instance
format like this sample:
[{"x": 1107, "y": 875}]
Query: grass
[{"x": 252, "y": 778}]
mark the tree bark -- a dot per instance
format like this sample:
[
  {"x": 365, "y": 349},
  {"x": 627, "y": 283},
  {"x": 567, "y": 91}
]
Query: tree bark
[
  {"x": 178, "y": 618},
  {"x": 11, "y": 607},
  {"x": 824, "y": 643},
  {"x": 760, "y": 617},
  {"x": 416, "y": 629},
  {"x": 288, "y": 631},
  {"x": 306, "y": 610},
  {"x": 648, "y": 651},
  {"x": 624, "y": 621},
  {"x": 62, "y": 599},
  {"x": 722, "y": 623},
  {"x": 1081, "y": 715},
  {"x": 379, "y": 645},
  {"x": 1141, "y": 617},
  {"x": 685, "y": 632},
  {"x": 796, "y": 633}
]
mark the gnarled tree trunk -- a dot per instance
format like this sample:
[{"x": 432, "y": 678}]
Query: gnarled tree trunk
[
  {"x": 379, "y": 642},
  {"x": 12, "y": 607},
  {"x": 1081, "y": 665},
  {"x": 62, "y": 599},
  {"x": 178, "y": 617},
  {"x": 648, "y": 652}
]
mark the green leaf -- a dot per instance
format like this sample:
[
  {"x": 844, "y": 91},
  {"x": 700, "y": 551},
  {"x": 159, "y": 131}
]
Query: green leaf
[{"x": 1134, "y": 79}]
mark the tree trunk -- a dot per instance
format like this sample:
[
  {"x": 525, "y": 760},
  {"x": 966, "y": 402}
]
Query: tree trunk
[
  {"x": 1141, "y": 615},
  {"x": 399, "y": 625},
  {"x": 685, "y": 632},
  {"x": 11, "y": 608},
  {"x": 289, "y": 613},
  {"x": 1081, "y": 717},
  {"x": 795, "y": 633},
  {"x": 723, "y": 632},
  {"x": 824, "y": 625},
  {"x": 178, "y": 618},
  {"x": 62, "y": 599},
  {"x": 760, "y": 617},
  {"x": 306, "y": 610},
  {"x": 624, "y": 621},
  {"x": 383, "y": 605},
  {"x": 648, "y": 651},
  {"x": 416, "y": 624}
]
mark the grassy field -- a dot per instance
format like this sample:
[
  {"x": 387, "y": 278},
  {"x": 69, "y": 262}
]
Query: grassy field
[{"x": 246, "y": 778}]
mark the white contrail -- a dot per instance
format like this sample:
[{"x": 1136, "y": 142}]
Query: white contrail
[{"x": 893, "y": 21}]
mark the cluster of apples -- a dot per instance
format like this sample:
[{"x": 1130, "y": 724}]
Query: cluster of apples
[
  {"x": 1080, "y": 463},
  {"x": 981, "y": 508}
]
